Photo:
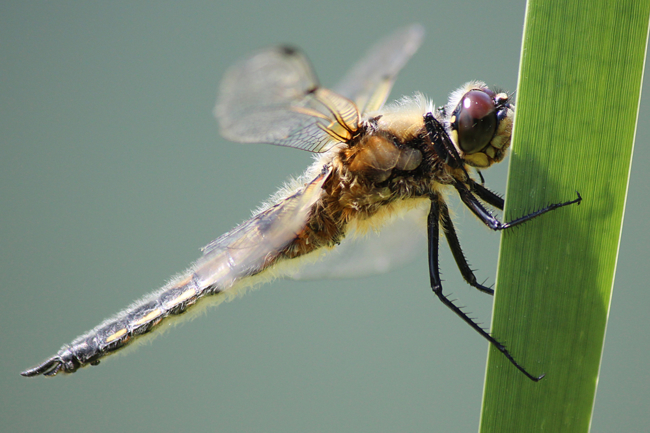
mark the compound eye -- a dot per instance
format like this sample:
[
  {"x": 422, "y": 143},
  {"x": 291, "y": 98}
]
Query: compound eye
[{"x": 476, "y": 121}]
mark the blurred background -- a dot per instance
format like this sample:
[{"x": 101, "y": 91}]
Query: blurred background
[{"x": 113, "y": 174}]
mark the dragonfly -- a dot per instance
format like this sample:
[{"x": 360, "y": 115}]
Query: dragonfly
[{"x": 376, "y": 168}]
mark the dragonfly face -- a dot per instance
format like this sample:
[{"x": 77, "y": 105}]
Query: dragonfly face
[{"x": 373, "y": 162}]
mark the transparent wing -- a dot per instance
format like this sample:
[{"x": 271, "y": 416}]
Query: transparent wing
[
  {"x": 255, "y": 244},
  {"x": 247, "y": 250},
  {"x": 370, "y": 81},
  {"x": 273, "y": 97},
  {"x": 398, "y": 243}
]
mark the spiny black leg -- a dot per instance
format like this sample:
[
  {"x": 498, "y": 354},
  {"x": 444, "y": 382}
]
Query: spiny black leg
[
  {"x": 436, "y": 285},
  {"x": 489, "y": 220},
  {"x": 433, "y": 231},
  {"x": 541, "y": 211},
  {"x": 486, "y": 195},
  {"x": 446, "y": 151},
  {"x": 477, "y": 208},
  {"x": 436, "y": 134},
  {"x": 442, "y": 144},
  {"x": 457, "y": 251}
]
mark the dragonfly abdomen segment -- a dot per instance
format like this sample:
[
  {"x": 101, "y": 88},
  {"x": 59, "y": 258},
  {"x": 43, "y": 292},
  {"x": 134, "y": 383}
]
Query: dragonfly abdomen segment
[
  {"x": 244, "y": 252},
  {"x": 124, "y": 328}
]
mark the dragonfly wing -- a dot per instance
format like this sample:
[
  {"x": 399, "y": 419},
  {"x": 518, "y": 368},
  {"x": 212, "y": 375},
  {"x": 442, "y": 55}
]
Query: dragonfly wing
[
  {"x": 256, "y": 243},
  {"x": 368, "y": 83},
  {"x": 245, "y": 251},
  {"x": 273, "y": 97},
  {"x": 398, "y": 243}
]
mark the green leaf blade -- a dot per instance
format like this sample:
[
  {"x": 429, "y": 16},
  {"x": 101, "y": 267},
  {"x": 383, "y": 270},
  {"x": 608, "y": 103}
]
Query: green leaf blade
[{"x": 578, "y": 97}]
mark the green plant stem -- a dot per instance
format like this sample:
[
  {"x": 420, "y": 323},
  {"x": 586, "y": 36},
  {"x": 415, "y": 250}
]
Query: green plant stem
[{"x": 579, "y": 88}]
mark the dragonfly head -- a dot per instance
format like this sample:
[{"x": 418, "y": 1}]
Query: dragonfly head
[{"x": 480, "y": 123}]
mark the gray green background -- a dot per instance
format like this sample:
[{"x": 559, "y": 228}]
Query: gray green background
[{"x": 113, "y": 174}]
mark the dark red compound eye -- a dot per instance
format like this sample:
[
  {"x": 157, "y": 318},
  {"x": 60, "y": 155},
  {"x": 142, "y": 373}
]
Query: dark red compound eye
[{"x": 476, "y": 121}]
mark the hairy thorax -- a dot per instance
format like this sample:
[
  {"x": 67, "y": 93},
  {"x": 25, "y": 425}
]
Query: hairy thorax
[{"x": 390, "y": 163}]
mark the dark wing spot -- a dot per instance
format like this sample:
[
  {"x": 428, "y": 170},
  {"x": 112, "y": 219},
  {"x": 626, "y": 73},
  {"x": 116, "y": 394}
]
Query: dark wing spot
[{"x": 288, "y": 50}]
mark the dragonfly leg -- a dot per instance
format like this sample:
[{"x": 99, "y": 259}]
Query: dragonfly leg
[
  {"x": 490, "y": 197},
  {"x": 457, "y": 251},
  {"x": 492, "y": 222},
  {"x": 436, "y": 284}
]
